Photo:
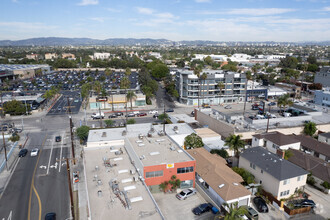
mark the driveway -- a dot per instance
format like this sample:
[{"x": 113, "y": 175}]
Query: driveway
[
  {"x": 174, "y": 209},
  {"x": 321, "y": 200}
]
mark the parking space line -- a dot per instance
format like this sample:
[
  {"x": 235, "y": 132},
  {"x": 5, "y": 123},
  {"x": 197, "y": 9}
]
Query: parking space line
[
  {"x": 50, "y": 156},
  {"x": 60, "y": 164}
]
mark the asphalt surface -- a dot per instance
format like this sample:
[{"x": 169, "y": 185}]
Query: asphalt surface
[
  {"x": 69, "y": 101},
  {"x": 39, "y": 184}
]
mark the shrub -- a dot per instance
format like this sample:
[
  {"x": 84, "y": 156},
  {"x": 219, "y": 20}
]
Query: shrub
[
  {"x": 221, "y": 152},
  {"x": 247, "y": 176},
  {"x": 326, "y": 185}
]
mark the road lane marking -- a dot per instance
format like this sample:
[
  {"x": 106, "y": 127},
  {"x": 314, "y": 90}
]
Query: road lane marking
[
  {"x": 43, "y": 167},
  {"x": 50, "y": 157},
  {"x": 32, "y": 182},
  {"x": 39, "y": 201},
  {"x": 59, "y": 168}
]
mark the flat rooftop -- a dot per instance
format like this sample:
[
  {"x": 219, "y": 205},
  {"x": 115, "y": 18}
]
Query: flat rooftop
[
  {"x": 158, "y": 150},
  {"x": 116, "y": 167}
]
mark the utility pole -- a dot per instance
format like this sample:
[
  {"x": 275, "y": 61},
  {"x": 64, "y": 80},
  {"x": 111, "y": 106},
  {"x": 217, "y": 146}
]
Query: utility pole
[
  {"x": 268, "y": 119},
  {"x": 4, "y": 146},
  {"x": 245, "y": 97},
  {"x": 2, "y": 110},
  {"x": 71, "y": 133},
  {"x": 70, "y": 187}
]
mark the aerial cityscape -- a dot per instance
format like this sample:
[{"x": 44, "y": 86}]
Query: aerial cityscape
[{"x": 170, "y": 110}]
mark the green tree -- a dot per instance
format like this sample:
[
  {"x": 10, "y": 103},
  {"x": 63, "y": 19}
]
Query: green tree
[
  {"x": 221, "y": 152},
  {"x": 208, "y": 60},
  {"x": 97, "y": 87},
  {"x": 287, "y": 154},
  {"x": 14, "y": 138},
  {"x": 109, "y": 122},
  {"x": 125, "y": 83},
  {"x": 131, "y": 121},
  {"x": 247, "y": 176},
  {"x": 284, "y": 101},
  {"x": 159, "y": 71},
  {"x": 175, "y": 182},
  {"x": 128, "y": 72},
  {"x": 311, "y": 59},
  {"x": 234, "y": 143},
  {"x": 309, "y": 128},
  {"x": 130, "y": 96},
  {"x": 14, "y": 107},
  {"x": 289, "y": 62},
  {"x": 82, "y": 132},
  {"x": 234, "y": 212},
  {"x": 203, "y": 78},
  {"x": 193, "y": 141}
]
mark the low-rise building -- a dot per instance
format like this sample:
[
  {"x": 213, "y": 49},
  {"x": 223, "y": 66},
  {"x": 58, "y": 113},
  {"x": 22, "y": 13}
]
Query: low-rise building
[
  {"x": 101, "y": 56},
  {"x": 274, "y": 141},
  {"x": 323, "y": 76},
  {"x": 33, "y": 56},
  {"x": 217, "y": 180},
  {"x": 293, "y": 90},
  {"x": 212, "y": 140},
  {"x": 324, "y": 137},
  {"x": 50, "y": 56},
  {"x": 322, "y": 97},
  {"x": 276, "y": 175},
  {"x": 69, "y": 56},
  {"x": 117, "y": 102}
]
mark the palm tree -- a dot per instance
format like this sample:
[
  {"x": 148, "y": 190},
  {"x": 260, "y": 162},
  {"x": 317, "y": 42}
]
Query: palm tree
[
  {"x": 130, "y": 96},
  {"x": 234, "y": 142},
  {"x": 310, "y": 128},
  {"x": 197, "y": 72},
  {"x": 203, "y": 77},
  {"x": 128, "y": 72},
  {"x": 284, "y": 101},
  {"x": 221, "y": 86},
  {"x": 234, "y": 212}
]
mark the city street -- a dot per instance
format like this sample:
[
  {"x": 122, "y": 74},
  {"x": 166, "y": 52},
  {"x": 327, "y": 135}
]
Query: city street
[{"x": 62, "y": 106}]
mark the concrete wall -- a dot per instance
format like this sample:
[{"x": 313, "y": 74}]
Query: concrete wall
[
  {"x": 282, "y": 119},
  {"x": 221, "y": 127},
  {"x": 134, "y": 157}
]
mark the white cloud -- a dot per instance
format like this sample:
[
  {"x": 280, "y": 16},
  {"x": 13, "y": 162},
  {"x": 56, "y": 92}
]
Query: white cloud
[
  {"x": 202, "y": 1},
  {"x": 88, "y": 2},
  {"x": 249, "y": 11},
  {"x": 326, "y": 9},
  {"x": 146, "y": 11},
  {"x": 15, "y": 1},
  {"x": 99, "y": 19},
  {"x": 165, "y": 15}
]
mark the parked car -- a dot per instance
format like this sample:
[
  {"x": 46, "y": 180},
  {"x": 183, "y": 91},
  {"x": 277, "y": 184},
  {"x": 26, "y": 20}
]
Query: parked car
[
  {"x": 141, "y": 114},
  {"x": 184, "y": 194},
  {"x": 153, "y": 112},
  {"x": 204, "y": 105},
  {"x": 255, "y": 107},
  {"x": 306, "y": 203},
  {"x": 155, "y": 115},
  {"x": 58, "y": 138},
  {"x": 272, "y": 104},
  {"x": 119, "y": 113},
  {"x": 228, "y": 107},
  {"x": 260, "y": 204},
  {"x": 113, "y": 116},
  {"x": 202, "y": 208},
  {"x": 34, "y": 152},
  {"x": 22, "y": 153},
  {"x": 251, "y": 213},
  {"x": 50, "y": 216},
  {"x": 130, "y": 115},
  {"x": 193, "y": 113},
  {"x": 169, "y": 110}
]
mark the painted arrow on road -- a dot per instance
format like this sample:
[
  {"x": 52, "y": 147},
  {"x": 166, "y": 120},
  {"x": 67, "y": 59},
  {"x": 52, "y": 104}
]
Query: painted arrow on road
[
  {"x": 54, "y": 166},
  {"x": 43, "y": 167}
]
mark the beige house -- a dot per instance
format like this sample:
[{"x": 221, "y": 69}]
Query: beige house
[
  {"x": 68, "y": 56},
  {"x": 217, "y": 180},
  {"x": 50, "y": 56},
  {"x": 274, "y": 141},
  {"x": 276, "y": 175}
]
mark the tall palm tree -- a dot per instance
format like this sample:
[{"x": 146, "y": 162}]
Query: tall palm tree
[
  {"x": 284, "y": 101},
  {"x": 203, "y": 78},
  {"x": 234, "y": 142},
  {"x": 235, "y": 212},
  {"x": 221, "y": 86},
  {"x": 130, "y": 96},
  {"x": 197, "y": 72},
  {"x": 128, "y": 72}
]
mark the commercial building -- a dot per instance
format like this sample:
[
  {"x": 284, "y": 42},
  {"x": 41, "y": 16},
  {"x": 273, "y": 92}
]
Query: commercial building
[
  {"x": 33, "y": 56},
  {"x": 69, "y": 56},
  {"x": 218, "y": 87},
  {"x": 100, "y": 56},
  {"x": 21, "y": 71},
  {"x": 322, "y": 97},
  {"x": 276, "y": 175},
  {"x": 323, "y": 76},
  {"x": 50, "y": 56},
  {"x": 117, "y": 102},
  {"x": 217, "y": 180}
]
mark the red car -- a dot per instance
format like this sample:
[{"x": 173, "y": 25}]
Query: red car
[{"x": 141, "y": 114}]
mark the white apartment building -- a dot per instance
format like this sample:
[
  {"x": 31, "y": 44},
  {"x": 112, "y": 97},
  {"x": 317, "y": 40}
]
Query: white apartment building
[{"x": 101, "y": 56}]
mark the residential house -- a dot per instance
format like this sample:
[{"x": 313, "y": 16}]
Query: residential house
[
  {"x": 324, "y": 137},
  {"x": 217, "y": 180},
  {"x": 322, "y": 97},
  {"x": 314, "y": 147},
  {"x": 276, "y": 175},
  {"x": 50, "y": 56},
  {"x": 274, "y": 141}
]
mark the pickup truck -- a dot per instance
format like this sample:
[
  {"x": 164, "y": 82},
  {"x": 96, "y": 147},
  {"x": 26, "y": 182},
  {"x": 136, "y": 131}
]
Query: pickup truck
[{"x": 97, "y": 115}]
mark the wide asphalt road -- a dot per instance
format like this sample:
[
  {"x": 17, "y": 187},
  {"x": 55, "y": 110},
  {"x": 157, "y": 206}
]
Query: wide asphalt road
[
  {"x": 39, "y": 184},
  {"x": 63, "y": 106}
]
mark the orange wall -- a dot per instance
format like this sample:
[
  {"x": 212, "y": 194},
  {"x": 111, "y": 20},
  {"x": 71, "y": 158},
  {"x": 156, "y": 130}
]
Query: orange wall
[{"x": 168, "y": 173}]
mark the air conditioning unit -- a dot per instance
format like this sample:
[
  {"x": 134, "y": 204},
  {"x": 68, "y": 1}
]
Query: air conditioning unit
[{"x": 132, "y": 172}]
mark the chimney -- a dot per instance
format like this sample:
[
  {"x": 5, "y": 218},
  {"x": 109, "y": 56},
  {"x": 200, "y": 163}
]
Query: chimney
[{"x": 280, "y": 153}]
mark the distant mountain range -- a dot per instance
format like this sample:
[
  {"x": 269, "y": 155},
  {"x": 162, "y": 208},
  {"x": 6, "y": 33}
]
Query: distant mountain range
[{"x": 60, "y": 41}]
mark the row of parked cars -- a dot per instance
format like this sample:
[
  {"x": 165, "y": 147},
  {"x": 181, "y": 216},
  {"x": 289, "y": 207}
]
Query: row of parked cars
[{"x": 130, "y": 114}]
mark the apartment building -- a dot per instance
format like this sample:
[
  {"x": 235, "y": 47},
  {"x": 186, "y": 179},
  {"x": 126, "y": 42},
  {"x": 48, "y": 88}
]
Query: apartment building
[
  {"x": 322, "y": 97},
  {"x": 323, "y": 76},
  {"x": 208, "y": 90}
]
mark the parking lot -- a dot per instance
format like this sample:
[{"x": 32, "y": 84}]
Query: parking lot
[{"x": 174, "y": 209}]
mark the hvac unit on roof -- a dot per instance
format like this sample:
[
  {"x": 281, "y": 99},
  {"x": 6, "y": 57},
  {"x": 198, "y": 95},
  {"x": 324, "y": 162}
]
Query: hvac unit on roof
[
  {"x": 104, "y": 134},
  {"x": 222, "y": 185},
  {"x": 161, "y": 133},
  {"x": 140, "y": 136},
  {"x": 172, "y": 148},
  {"x": 124, "y": 133},
  {"x": 132, "y": 172},
  {"x": 149, "y": 134}
]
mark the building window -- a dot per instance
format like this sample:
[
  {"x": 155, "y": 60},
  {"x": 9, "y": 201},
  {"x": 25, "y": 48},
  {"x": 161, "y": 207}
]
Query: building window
[
  {"x": 284, "y": 193},
  {"x": 261, "y": 171},
  {"x": 154, "y": 174},
  {"x": 286, "y": 182},
  {"x": 253, "y": 166},
  {"x": 299, "y": 178},
  {"x": 186, "y": 184},
  {"x": 274, "y": 146},
  {"x": 185, "y": 170}
]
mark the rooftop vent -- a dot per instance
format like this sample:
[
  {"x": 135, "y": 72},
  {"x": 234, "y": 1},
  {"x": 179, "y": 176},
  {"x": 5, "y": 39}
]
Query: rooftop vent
[
  {"x": 140, "y": 136},
  {"x": 124, "y": 133},
  {"x": 104, "y": 134},
  {"x": 236, "y": 184},
  {"x": 274, "y": 161},
  {"x": 175, "y": 128},
  {"x": 154, "y": 153},
  {"x": 142, "y": 157},
  {"x": 172, "y": 148},
  {"x": 161, "y": 133},
  {"x": 222, "y": 185},
  {"x": 149, "y": 134}
]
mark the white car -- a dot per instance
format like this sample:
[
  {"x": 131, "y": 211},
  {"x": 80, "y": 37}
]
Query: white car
[
  {"x": 153, "y": 112},
  {"x": 34, "y": 152},
  {"x": 184, "y": 194}
]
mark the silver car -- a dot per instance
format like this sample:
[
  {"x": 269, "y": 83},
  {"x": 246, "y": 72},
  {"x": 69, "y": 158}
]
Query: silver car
[{"x": 184, "y": 194}]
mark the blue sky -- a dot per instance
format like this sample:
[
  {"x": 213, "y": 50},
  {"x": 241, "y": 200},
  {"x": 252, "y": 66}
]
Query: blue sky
[{"x": 218, "y": 20}]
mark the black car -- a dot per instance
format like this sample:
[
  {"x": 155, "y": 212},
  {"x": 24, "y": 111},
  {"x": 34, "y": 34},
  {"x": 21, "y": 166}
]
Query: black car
[
  {"x": 113, "y": 116},
  {"x": 58, "y": 138},
  {"x": 205, "y": 207},
  {"x": 305, "y": 203},
  {"x": 119, "y": 113},
  {"x": 169, "y": 110},
  {"x": 50, "y": 216},
  {"x": 22, "y": 153},
  {"x": 155, "y": 115},
  {"x": 260, "y": 204}
]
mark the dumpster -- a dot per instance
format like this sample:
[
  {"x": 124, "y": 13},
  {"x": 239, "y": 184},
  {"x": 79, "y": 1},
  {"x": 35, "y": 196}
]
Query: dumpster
[{"x": 215, "y": 210}]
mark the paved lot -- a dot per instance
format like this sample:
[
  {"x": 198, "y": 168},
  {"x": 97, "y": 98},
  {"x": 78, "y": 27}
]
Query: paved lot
[
  {"x": 322, "y": 201},
  {"x": 173, "y": 209},
  {"x": 271, "y": 215}
]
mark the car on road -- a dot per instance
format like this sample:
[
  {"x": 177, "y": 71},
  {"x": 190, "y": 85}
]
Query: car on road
[
  {"x": 18, "y": 130},
  {"x": 260, "y": 204},
  {"x": 202, "y": 208},
  {"x": 153, "y": 112},
  {"x": 184, "y": 194},
  {"x": 59, "y": 109},
  {"x": 272, "y": 104},
  {"x": 58, "y": 138},
  {"x": 34, "y": 152},
  {"x": 141, "y": 114},
  {"x": 76, "y": 100},
  {"x": 155, "y": 115},
  {"x": 169, "y": 110},
  {"x": 119, "y": 113},
  {"x": 130, "y": 115},
  {"x": 228, "y": 107},
  {"x": 113, "y": 116},
  {"x": 22, "y": 153},
  {"x": 50, "y": 216}
]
